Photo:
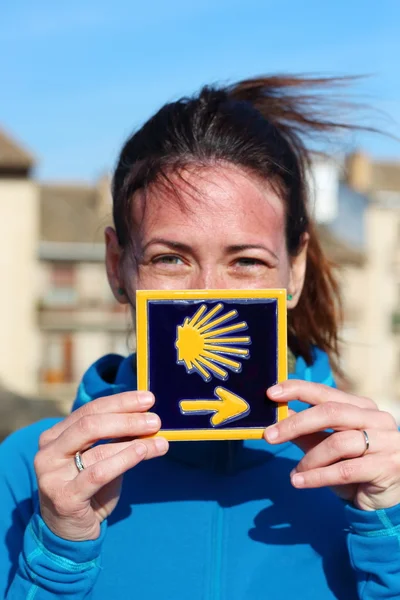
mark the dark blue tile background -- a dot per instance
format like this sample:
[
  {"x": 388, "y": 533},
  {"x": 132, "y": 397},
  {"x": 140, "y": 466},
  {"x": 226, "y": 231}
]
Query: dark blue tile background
[{"x": 171, "y": 383}]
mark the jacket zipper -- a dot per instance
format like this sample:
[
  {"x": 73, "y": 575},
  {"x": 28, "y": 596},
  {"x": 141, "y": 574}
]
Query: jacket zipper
[
  {"x": 216, "y": 560},
  {"x": 218, "y": 531}
]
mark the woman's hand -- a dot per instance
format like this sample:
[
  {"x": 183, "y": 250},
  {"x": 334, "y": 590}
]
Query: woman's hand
[
  {"x": 73, "y": 504},
  {"x": 370, "y": 479}
]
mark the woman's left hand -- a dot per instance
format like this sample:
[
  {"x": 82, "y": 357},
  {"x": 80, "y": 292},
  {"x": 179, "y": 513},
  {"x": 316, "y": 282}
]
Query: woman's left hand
[{"x": 369, "y": 478}]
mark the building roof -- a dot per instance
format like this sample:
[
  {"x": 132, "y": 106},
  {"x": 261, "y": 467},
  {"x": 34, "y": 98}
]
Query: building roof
[
  {"x": 339, "y": 251},
  {"x": 367, "y": 175},
  {"x": 386, "y": 176},
  {"x": 71, "y": 214},
  {"x": 19, "y": 411},
  {"x": 12, "y": 155}
]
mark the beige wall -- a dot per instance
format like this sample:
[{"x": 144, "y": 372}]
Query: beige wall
[
  {"x": 353, "y": 346},
  {"x": 92, "y": 284},
  {"x": 382, "y": 283},
  {"x": 88, "y": 347},
  {"x": 19, "y": 345},
  {"x": 371, "y": 350}
]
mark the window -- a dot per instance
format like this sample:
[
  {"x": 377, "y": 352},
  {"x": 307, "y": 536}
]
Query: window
[
  {"x": 62, "y": 286},
  {"x": 57, "y": 359}
]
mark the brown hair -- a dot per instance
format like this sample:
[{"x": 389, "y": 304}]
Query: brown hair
[{"x": 260, "y": 125}]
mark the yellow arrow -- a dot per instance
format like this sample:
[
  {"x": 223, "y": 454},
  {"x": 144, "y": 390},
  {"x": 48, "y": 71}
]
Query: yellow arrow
[{"x": 229, "y": 407}]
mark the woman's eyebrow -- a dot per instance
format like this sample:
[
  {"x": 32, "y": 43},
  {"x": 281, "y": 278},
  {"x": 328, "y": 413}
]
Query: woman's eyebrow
[
  {"x": 232, "y": 249},
  {"x": 170, "y": 243},
  {"x": 241, "y": 247}
]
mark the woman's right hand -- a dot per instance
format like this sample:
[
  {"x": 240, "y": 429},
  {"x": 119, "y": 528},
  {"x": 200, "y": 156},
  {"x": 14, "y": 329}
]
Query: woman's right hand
[{"x": 73, "y": 504}]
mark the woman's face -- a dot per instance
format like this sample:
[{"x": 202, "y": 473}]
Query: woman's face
[{"x": 226, "y": 232}]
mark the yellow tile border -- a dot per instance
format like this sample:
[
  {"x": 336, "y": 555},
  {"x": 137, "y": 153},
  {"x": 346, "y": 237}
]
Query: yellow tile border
[{"x": 142, "y": 298}]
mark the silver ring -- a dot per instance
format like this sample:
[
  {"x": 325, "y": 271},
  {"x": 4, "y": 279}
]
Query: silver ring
[
  {"x": 78, "y": 461},
  {"x": 366, "y": 439}
]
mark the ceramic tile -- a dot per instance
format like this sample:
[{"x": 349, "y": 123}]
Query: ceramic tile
[{"x": 208, "y": 357}]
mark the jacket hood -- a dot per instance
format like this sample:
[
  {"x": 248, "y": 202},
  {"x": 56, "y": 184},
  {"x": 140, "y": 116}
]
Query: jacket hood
[{"x": 113, "y": 374}]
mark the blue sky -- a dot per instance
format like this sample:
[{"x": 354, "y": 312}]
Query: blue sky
[{"x": 79, "y": 76}]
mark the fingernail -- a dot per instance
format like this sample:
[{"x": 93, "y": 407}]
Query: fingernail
[
  {"x": 145, "y": 398},
  {"x": 161, "y": 444},
  {"x": 298, "y": 480},
  {"x": 152, "y": 420},
  {"x": 140, "y": 449},
  {"x": 275, "y": 391},
  {"x": 272, "y": 434},
  {"x": 293, "y": 471}
]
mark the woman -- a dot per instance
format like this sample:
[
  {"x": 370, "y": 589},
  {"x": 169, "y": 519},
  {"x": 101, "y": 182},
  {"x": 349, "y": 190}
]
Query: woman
[{"x": 211, "y": 193}]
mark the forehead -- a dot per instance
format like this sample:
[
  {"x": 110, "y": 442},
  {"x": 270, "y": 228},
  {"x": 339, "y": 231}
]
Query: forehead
[{"x": 221, "y": 198}]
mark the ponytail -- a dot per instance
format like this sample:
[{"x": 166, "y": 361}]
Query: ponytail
[
  {"x": 298, "y": 111},
  {"x": 316, "y": 318},
  {"x": 263, "y": 125}
]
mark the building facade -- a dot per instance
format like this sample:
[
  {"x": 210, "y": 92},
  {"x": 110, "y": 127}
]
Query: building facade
[
  {"x": 78, "y": 317},
  {"x": 58, "y": 313},
  {"x": 376, "y": 362},
  {"x": 357, "y": 201},
  {"x": 19, "y": 210}
]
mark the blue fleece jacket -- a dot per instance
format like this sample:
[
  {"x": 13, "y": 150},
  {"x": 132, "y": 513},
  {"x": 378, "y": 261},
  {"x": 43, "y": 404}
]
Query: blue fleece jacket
[{"x": 210, "y": 520}]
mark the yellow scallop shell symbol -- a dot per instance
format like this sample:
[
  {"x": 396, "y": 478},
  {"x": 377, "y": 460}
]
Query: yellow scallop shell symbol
[{"x": 206, "y": 348}]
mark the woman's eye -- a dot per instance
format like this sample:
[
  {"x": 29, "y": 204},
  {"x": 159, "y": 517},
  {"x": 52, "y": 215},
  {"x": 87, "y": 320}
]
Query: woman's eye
[
  {"x": 168, "y": 259},
  {"x": 248, "y": 262}
]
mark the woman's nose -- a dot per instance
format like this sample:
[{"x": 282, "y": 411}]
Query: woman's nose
[{"x": 209, "y": 279}]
